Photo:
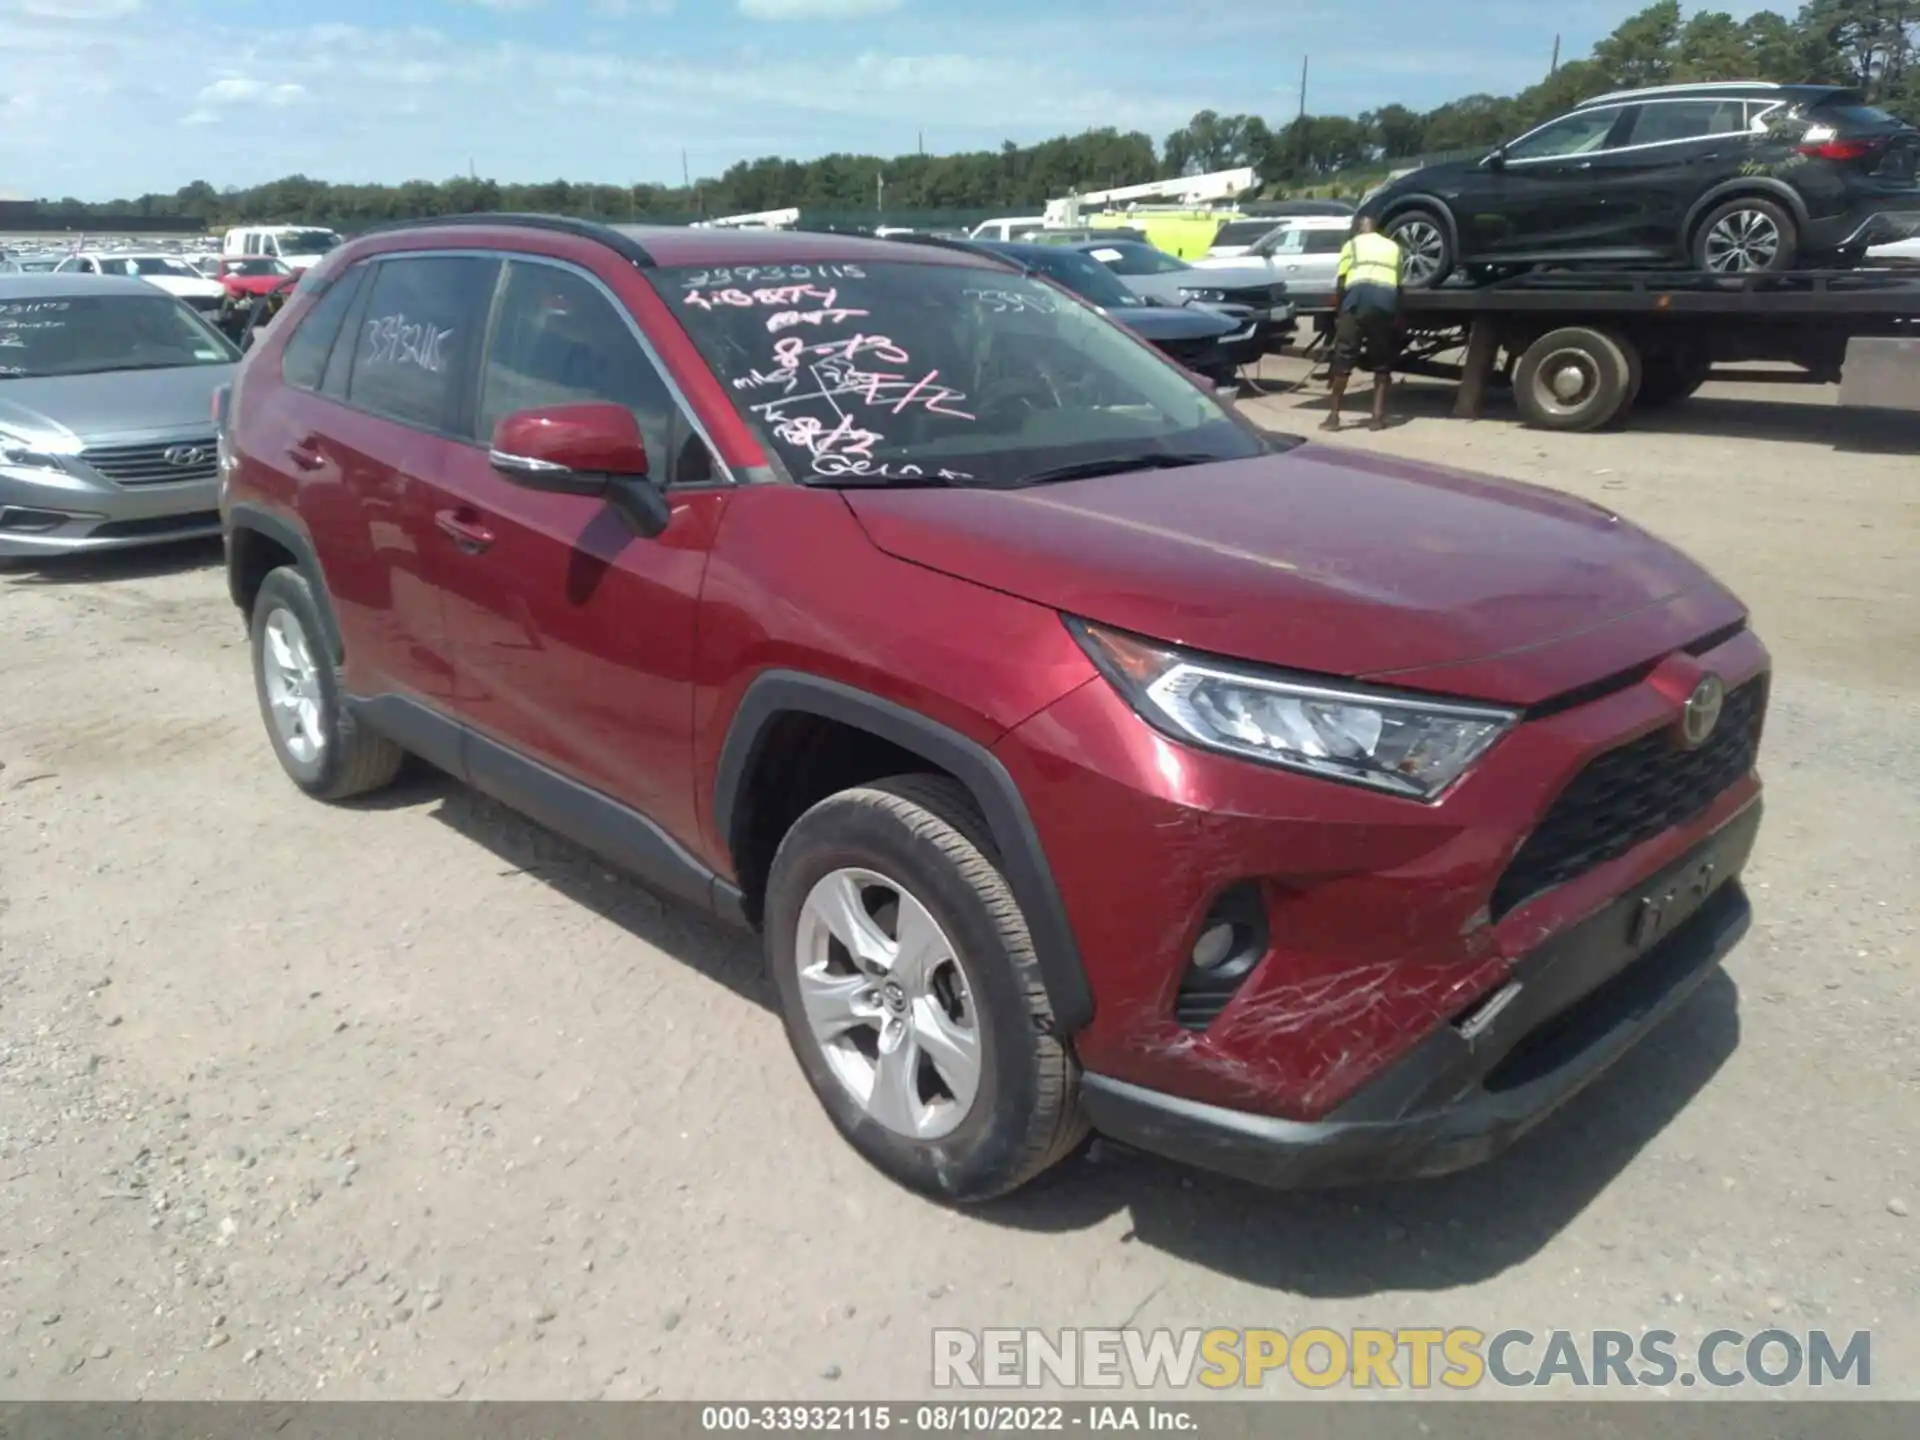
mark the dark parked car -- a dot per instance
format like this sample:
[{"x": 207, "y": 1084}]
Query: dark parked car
[
  {"x": 1085, "y": 755},
  {"x": 1168, "y": 280},
  {"x": 1208, "y": 340},
  {"x": 1728, "y": 177}
]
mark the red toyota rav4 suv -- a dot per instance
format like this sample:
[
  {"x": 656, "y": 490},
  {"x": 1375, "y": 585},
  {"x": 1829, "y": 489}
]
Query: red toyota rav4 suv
[{"x": 1087, "y": 757}]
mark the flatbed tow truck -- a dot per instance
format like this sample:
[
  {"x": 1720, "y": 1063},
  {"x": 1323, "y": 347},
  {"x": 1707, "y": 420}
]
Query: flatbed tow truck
[{"x": 1583, "y": 348}]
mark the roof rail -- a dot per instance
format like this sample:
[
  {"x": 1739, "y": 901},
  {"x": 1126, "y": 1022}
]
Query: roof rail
[
  {"x": 969, "y": 247},
  {"x": 1691, "y": 87},
  {"x": 625, "y": 245}
]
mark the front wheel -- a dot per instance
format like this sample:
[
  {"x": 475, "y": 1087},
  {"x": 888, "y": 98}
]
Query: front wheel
[
  {"x": 1425, "y": 247},
  {"x": 1747, "y": 236},
  {"x": 911, "y": 994},
  {"x": 317, "y": 739},
  {"x": 1574, "y": 379}
]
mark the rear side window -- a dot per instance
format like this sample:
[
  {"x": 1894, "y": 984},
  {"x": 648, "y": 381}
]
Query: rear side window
[
  {"x": 415, "y": 345},
  {"x": 1669, "y": 120},
  {"x": 303, "y": 365},
  {"x": 1243, "y": 232},
  {"x": 557, "y": 340}
]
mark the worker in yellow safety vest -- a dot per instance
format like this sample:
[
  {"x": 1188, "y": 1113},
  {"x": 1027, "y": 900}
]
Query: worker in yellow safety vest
[{"x": 1367, "y": 299}]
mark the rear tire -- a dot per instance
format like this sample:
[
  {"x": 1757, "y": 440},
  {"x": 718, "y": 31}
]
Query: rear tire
[
  {"x": 318, "y": 741},
  {"x": 1671, "y": 376},
  {"x": 1573, "y": 379},
  {"x": 1746, "y": 236},
  {"x": 1426, "y": 246},
  {"x": 906, "y": 867}
]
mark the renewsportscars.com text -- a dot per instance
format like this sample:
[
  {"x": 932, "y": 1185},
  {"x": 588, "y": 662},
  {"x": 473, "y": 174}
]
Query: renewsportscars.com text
[{"x": 1459, "y": 1358}]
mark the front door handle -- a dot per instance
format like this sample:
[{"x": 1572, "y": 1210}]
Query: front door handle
[
  {"x": 306, "y": 456},
  {"x": 465, "y": 528}
]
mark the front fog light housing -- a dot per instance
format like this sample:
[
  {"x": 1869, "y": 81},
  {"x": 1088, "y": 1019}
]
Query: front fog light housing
[{"x": 1403, "y": 744}]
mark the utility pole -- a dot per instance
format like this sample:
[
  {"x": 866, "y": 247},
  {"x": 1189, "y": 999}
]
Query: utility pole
[
  {"x": 1303, "y": 86},
  {"x": 921, "y": 141},
  {"x": 1553, "y": 67},
  {"x": 879, "y": 191},
  {"x": 686, "y": 177}
]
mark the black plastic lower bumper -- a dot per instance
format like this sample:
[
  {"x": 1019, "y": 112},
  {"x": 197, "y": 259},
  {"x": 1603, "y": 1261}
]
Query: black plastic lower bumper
[{"x": 1571, "y": 1010}]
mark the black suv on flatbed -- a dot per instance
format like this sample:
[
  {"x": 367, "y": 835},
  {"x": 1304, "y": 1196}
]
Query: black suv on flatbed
[{"x": 1733, "y": 177}]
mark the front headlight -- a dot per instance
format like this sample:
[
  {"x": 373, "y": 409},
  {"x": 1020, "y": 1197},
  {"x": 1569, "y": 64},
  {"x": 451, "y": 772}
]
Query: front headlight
[
  {"x": 18, "y": 455},
  {"x": 1399, "y": 743},
  {"x": 1202, "y": 293}
]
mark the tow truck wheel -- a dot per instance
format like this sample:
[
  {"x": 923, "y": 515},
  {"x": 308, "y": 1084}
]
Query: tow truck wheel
[{"x": 1573, "y": 379}]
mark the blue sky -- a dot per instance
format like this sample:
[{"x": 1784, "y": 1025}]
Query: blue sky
[{"x": 113, "y": 97}]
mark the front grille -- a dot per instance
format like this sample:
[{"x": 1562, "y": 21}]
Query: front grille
[
  {"x": 1189, "y": 352},
  {"x": 1629, "y": 795},
  {"x": 149, "y": 465}
]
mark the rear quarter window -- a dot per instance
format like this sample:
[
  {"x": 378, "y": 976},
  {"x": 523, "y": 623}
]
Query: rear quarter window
[
  {"x": 303, "y": 364},
  {"x": 417, "y": 343}
]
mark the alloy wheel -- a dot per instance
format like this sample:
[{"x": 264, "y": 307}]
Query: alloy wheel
[
  {"x": 292, "y": 680},
  {"x": 1425, "y": 247},
  {"x": 888, "y": 1002},
  {"x": 1743, "y": 241}
]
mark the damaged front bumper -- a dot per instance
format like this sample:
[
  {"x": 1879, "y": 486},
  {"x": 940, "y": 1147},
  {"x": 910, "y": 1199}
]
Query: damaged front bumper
[{"x": 1570, "y": 1010}]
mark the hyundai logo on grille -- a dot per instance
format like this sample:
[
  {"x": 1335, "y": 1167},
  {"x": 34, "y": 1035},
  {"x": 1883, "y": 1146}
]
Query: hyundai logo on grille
[
  {"x": 1702, "y": 712},
  {"x": 187, "y": 456}
]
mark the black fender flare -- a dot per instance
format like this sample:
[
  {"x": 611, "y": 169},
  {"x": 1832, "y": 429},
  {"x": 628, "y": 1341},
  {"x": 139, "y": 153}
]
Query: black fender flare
[
  {"x": 1422, "y": 200},
  {"x": 1764, "y": 186},
  {"x": 295, "y": 541},
  {"x": 1022, "y": 857}
]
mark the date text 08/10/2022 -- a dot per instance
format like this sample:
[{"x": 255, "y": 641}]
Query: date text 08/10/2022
[{"x": 959, "y": 1419}]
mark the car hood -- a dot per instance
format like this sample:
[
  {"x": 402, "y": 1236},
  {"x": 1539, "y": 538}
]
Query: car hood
[
  {"x": 1173, "y": 322},
  {"x": 1331, "y": 561},
  {"x": 69, "y": 412},
  {"x": 1443, "y": 178},
  {"x": 1229, "y": 274}
]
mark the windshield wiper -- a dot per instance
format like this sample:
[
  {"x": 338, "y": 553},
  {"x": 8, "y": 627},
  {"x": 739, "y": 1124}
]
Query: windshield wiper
[
  {"x": 1114, "y": 465},
  {"x": 878, "y": 482}
]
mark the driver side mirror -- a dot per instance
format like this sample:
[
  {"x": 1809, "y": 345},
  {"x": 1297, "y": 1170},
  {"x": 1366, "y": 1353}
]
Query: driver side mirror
[
  {"x": 593, "y": 449},
  {"x": 1496, "y": 159}
]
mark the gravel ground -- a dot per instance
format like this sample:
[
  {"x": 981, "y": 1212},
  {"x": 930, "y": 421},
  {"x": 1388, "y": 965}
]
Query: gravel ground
[{"x": 412, "y": 1099}]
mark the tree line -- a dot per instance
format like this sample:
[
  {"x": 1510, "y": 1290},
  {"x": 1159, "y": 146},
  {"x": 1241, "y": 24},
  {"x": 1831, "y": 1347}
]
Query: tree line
[{"x": 1873, "y": 45}]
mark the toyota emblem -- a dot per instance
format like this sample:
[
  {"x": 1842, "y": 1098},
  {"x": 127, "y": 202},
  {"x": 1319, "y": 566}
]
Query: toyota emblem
[
  {"x": 1701, "y": 713},
  {"x": 184, "y": 456}
]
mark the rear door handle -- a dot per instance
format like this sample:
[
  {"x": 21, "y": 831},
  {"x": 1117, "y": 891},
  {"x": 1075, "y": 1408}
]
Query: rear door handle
[{"x": 465, "y": 528}]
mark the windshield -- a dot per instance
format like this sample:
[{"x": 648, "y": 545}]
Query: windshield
[
  {"x": 1243, "y": 232},
  {"x": 901, "y": 373},
  {"x": 146, "y": 266},
  {"x": 308, "y": 242},
  {"x": 1085, "y": 276},
  {"x": 86, "y": 334},
  {"x": 1132, "y": 258}
]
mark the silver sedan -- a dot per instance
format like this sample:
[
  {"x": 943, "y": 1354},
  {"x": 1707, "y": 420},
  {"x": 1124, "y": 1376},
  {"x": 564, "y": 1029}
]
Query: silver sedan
[{"x": 106, "y": 429}]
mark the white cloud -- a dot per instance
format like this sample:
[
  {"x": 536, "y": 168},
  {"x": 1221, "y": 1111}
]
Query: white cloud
[
  {"x": 622, "y": 9},
  {"x": 813, "y": 9}
]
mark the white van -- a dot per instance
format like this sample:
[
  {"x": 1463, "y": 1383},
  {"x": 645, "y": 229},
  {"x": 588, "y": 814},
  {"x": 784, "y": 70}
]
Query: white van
[
  {"x": 1010, "y": 227},
  {"x": 298, "y": 245}
]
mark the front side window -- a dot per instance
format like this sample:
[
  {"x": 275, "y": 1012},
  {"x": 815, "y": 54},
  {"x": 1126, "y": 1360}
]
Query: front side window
[
  {"x": 94, "y": 334},
  {"x": 307, "y": 242},
  {"x": 900, "y": 373},
  {"x": 1131, "y": 258},
  {"x": 558, "y": 341},
  {"x": 1581, "y": 133},
  {"x": 1660, "y": 123},
  {"x": 416, "y": 345}
]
